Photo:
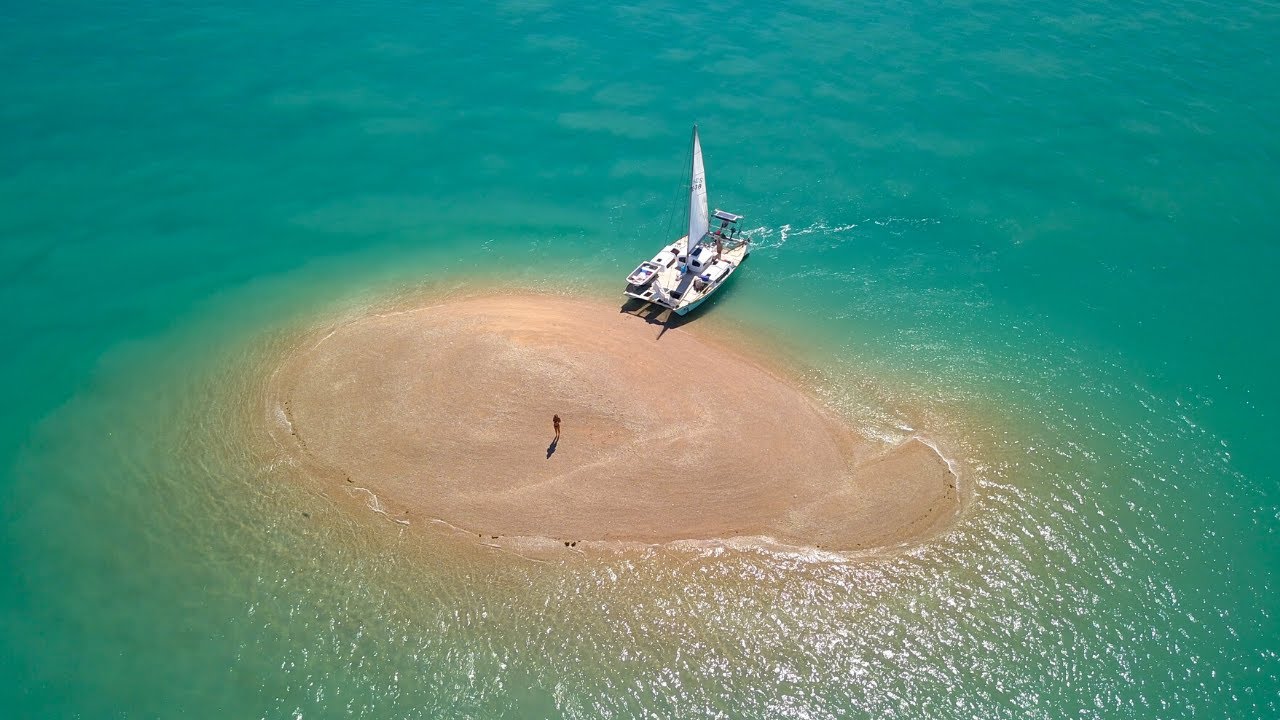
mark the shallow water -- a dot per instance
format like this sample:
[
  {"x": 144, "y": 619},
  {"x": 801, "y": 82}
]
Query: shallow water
[{"x": 1039, "y": 237}]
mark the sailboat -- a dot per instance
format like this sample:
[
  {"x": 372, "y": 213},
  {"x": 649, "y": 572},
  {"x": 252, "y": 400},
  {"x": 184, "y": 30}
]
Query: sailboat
[{"x": 685, "y": 273}]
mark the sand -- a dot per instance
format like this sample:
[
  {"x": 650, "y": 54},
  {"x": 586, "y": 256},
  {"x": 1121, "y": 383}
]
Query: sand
[{"x": 444, "y": 413}]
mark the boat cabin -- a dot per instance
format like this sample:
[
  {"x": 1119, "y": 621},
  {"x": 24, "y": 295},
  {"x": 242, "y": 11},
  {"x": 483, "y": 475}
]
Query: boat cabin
[{"x": 701, "y": 257}]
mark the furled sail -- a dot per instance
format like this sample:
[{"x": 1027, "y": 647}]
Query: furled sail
[{"x": 698, "y": 222}]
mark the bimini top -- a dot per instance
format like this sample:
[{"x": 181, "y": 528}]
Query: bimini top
[{"x": 727, "y": 216}]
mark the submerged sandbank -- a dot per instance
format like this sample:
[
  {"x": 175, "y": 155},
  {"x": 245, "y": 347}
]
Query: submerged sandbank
[{"x": 444, "y": 412}]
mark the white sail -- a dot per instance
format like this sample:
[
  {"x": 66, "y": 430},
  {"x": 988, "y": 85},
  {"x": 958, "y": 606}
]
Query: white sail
[
  {"x": 698, "y": 221},
  {"x": 681, "y": 287}
]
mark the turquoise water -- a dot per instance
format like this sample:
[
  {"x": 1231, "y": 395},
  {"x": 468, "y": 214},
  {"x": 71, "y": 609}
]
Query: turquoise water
[{"x": 1040, "y": 236}]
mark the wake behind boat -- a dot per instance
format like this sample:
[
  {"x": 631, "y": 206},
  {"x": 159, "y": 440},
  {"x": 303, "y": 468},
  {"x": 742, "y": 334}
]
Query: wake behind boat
[{"x": 686, "y": 272}]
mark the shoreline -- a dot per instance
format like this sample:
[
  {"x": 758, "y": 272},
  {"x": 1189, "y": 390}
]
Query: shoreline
[{"x": 435, "y": 411}]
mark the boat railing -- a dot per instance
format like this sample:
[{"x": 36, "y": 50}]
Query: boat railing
[{"x": 729, "y": 242}]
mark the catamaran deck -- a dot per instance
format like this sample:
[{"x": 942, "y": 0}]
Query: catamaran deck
[{"x": 681, "y": 289}]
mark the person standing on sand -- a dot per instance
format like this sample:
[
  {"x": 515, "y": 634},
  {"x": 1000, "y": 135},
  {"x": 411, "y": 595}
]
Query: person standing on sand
[{"x": 555, "y": 423}]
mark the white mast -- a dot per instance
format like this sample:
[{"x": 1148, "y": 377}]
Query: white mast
[{"x": 698, "y": 221}]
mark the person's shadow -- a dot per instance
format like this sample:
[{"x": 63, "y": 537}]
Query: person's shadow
[{"x": 551, "y": 449}]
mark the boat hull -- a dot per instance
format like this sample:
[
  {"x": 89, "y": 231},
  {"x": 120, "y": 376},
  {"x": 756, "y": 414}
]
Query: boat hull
[
  {"x": 690, "y": 307},
  {"x": 647, "y": 293}
]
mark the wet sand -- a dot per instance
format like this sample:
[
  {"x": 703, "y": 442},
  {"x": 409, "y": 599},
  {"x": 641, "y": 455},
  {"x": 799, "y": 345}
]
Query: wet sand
[{"x": 444, "y": 412}]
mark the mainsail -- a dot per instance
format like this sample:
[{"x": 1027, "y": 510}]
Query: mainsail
[{"x": 698, "y": 222}]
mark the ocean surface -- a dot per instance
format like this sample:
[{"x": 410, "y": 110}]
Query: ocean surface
[{"x": 1041, "y": 235}]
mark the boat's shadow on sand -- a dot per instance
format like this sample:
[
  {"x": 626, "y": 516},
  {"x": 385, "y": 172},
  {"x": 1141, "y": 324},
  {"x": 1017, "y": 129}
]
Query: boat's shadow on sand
[{"x": 664, "y": 318}]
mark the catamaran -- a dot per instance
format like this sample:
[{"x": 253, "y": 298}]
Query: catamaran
[{"x": 686, "y": 272}]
